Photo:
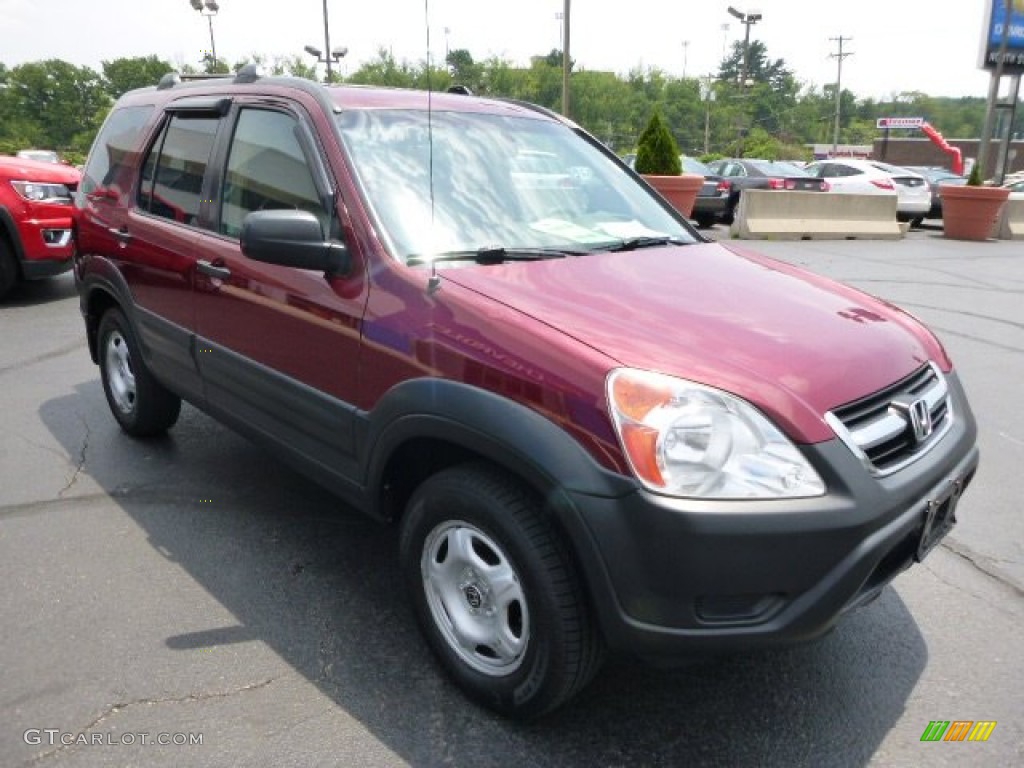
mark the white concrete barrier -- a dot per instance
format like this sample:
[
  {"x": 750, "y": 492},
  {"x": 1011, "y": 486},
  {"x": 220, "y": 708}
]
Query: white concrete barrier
[
  {"x": 1011, "y": 220},
  {"x": 784, "y": 215}
]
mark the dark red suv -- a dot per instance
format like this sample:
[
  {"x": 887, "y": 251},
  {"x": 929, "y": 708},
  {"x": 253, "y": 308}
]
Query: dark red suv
[
  {"x": 35, "y": 220},
  {"x": 595, "y": 429}
]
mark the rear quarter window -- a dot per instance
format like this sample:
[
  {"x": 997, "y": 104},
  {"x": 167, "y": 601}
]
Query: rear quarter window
[{"x": 111, "y": 161}]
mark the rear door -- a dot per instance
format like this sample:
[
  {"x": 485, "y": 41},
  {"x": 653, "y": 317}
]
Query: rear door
[
  {"x": 155, "y": 224},
  {"x": 277, "y": 346}
]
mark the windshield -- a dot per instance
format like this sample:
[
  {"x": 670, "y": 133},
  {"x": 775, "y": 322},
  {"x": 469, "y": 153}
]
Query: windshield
[
  {"x": 893, "y": 170},
  {"x": 40, "y": 155},
  {"x": 465, "y": 182},
  {"x": 778, "y": 168},
  {"x": 690, "y": 165}
]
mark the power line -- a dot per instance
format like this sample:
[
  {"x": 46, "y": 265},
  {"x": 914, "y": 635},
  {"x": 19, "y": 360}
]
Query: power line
[{"x": 839, "y": 84}]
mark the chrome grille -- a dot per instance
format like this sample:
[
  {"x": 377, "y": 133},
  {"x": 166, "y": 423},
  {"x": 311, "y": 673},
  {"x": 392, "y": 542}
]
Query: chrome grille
[{"x": 895, "y": 426}]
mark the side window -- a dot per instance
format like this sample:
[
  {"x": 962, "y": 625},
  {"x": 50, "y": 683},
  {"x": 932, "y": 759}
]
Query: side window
[
  {"x": 108, "y": 171},
  {"x": 267, "y": 170},
  {"x": 172, "y": 176}
]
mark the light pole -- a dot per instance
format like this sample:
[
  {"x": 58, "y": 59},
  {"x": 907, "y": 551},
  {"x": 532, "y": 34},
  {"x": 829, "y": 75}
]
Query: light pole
[
  {"x": 746, "y": 19},
  {"x": 326, "y": 59},
  {"x": 208, "y": 8},
  {"x": 686, "y": 50},
  {"x": 334, "y": 56}
]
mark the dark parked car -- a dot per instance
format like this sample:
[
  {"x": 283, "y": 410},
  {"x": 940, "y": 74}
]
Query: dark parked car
[
  {"x": 712, "y": 201},
  {"x": 750, "y": 173},
  {"x": 593, "y": 428},
  {"x": 935, "y": 177}
]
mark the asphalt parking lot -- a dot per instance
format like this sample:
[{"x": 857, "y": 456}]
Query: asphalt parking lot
[{"x": 192, "y": 589}]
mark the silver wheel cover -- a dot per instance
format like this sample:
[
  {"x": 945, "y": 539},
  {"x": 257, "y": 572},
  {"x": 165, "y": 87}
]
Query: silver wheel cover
[{"x": 475, "y": 598}]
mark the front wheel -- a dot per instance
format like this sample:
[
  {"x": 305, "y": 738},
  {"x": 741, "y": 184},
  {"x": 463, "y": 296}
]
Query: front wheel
[
  {"x": 8, "y": 269},
  {"x": 496, "y": 593},
  {"x": 142, "y": 405}
]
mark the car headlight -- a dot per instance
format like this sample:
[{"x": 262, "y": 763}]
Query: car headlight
[
  {"x": 39, "y": 191},
  {"x": 687, "y": 439}
]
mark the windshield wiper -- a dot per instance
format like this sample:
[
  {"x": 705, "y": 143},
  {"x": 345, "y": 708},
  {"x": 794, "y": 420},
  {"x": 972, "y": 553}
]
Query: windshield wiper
[
  {"x": 491, "y": 254},
  {"x": 633, "y": 243}
]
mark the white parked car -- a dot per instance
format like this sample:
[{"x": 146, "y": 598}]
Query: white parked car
[{"x": 873, "y": 177}]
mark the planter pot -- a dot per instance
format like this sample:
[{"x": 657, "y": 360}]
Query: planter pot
[
  {"x": 971, "y": 213},
  {"x": 681, "y": 191}
]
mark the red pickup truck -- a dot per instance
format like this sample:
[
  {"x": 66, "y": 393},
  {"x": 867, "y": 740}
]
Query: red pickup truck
[{"x": 35, "y": 220}]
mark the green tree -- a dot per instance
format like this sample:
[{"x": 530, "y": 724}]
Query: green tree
[
  {"x": 657, "y": 152},
  {"x": 55, "y": 104},
  {"x": 385, "y": 70},
  {"x": 126, "y": 74},
  {"x": 465, "y": 71}
]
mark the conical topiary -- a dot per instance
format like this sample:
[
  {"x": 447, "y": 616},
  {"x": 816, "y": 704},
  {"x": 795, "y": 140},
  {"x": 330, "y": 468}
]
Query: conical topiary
[{"x": 657, "y": 153}]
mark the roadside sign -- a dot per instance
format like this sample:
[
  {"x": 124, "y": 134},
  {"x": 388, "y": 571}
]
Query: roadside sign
[
  {"x": 1003, "y": 17},
  {"x": 899, "y": 122}
]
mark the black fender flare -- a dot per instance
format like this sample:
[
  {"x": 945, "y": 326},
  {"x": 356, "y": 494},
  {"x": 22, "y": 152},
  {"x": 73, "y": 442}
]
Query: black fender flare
[
  {"x": 484, "y": 423},
  {"x": 102, "y": 276},
  {"x": 8, "y": 226}
]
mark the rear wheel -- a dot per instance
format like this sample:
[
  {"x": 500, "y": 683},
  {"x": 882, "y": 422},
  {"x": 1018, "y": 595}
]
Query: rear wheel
[
  {"x": 705, "y": 221},
  {"x": 142, "y": 406},
  {"x": 496, "y": 593}
]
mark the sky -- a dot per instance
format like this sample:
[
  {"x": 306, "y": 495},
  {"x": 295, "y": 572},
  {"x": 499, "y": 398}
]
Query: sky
[{"x": 897, "y": 45}]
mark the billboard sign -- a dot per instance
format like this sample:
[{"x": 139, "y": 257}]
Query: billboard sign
[
  {"x": 899, "y": 122},
  {"x": 1003, "y": 17}
]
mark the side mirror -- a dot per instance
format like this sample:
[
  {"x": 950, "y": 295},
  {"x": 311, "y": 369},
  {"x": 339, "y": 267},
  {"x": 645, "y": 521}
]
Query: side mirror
[{"x": 292, "y": 239}]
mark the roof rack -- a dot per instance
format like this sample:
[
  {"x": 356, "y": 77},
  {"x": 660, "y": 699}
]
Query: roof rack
[{"x": 249, "y": 73}]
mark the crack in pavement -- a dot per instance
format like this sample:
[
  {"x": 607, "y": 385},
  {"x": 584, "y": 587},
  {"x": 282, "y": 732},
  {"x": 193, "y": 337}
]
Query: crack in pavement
[
  {"x": 975, "y": 560},
  {"x": 47, "y": 448},
  {"x": 59, "y": 352},
  {"x": 965, "y": 313},
  {"x": 81, "y": 459},
  {"x": 113, "y": 709},
  {"x": 970, "y": 337}
]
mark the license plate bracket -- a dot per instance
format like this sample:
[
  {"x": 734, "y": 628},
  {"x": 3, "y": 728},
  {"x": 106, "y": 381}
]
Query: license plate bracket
[{"x": 939, "y": 518}]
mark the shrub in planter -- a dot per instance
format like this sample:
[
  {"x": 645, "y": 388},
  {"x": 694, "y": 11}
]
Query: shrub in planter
[
  {"x": 657, "y": 153},
  {"x": 657, "y": 159},
  {"x": 971, "y": 212}
]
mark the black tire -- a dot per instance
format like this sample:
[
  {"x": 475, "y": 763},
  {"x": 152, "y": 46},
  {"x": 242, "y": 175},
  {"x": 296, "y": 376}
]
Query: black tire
[
  {"x": 142, "y": 406},
  {"x": 8, "y": 269},
  {"x": 916, "y": 222},
  {"x": 534, "y": 642},
  {"x": 705, "y": 221},
  {"x": 730, "y": 214}
]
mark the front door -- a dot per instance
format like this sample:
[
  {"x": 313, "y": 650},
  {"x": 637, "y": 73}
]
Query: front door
[{"x": 277, "y": 346}]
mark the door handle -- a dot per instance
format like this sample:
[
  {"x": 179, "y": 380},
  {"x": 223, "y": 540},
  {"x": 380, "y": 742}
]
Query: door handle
[
  {"x": 213, "y": 270},
  {"x": 122, "y": 234}
]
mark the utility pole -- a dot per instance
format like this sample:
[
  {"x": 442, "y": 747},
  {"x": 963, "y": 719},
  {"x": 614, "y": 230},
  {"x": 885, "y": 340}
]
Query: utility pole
[
  {"x": 565, "y": 58},
  {"x": 839, "y": 86}
]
